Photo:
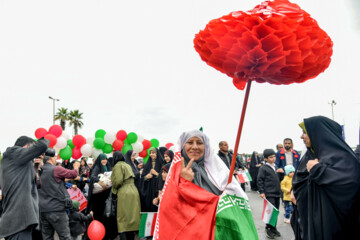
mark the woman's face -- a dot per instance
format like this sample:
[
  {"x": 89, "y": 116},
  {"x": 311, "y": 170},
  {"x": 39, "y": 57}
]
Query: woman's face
[
  {"x": 164, "y": 175},
  {"x": 167, "y": 158},
  {"x": 306, "y": 139},
  {"x": 104, "y": 162},
  {"x": 82, "y": 163},
  {"x": 133, "y": 157},
  {"x": 153, "y": 155},
  {"x": 194, "y": 148}
]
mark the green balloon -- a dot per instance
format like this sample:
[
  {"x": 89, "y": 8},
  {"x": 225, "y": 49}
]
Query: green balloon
[
  {"x": 65, "y": 153},
  {"x": 146, "y": 158},
  {"x": 131, "y": 137},
  {"x": 108, "y": 148},
  {"x": 126, "y": 141},
  {"x": 99, "y": 143},
  {"x": 70, "y": 143},
  {"x": 126, "y": 148},
  {"x": 154, "y": 142},
  {"x": 100, "y": 133}
]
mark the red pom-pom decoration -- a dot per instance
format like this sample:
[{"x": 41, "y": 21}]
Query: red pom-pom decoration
[{"x": 276, "y": 42}]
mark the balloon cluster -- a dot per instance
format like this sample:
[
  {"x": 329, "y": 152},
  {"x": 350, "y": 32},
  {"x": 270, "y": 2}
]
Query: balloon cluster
[{"x": 102, "y": 142}]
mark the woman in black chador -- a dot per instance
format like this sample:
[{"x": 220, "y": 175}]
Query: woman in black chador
[
  {"x": 255, "y": 164},
  {"x": 149, "y": 178},
  {"x": 326, "y": 184}
]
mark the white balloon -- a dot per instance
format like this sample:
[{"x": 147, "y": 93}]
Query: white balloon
[
  {"x": 60, "y": 143},
  {"x": 137, "y": 147},
  {"x": 57, "y": 150},
  {"x": 140, "y": 138},
  {"x": 90, "y": 141},
  {"x": 86, "y": 150},
  {"x": 65, "y": 135},
  {"x": 110, "y": 137},
  {"x": 96, "y": 152}
]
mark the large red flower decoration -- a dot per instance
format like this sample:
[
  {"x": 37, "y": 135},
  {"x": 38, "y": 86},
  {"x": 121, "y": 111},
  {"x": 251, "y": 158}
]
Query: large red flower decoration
[{"x": 276, "y": 42}]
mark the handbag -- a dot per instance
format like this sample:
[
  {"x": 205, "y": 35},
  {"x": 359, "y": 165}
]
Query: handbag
[{"x": 110, "y": 205}]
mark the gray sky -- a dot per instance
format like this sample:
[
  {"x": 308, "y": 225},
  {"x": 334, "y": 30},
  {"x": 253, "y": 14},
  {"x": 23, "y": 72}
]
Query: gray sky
[{"x": 131, "y": 65}]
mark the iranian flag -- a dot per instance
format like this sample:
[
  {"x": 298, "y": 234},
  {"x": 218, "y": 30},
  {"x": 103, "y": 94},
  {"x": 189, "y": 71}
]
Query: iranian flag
[
  {"x": 188, "y": 211},
  {"x": 147, "y": 224},
  {"x": 270, "y": 213},
  {"x": 244, "y": 176}
]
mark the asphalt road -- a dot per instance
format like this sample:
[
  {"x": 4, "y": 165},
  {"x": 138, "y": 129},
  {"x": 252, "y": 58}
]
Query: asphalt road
[{"x": 256, "y": 204}]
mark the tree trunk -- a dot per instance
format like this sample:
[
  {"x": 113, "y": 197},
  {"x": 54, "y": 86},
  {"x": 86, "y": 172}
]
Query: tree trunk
[
  {"x": 76, "y": 128},
  {"x": 62, "y": 124}
]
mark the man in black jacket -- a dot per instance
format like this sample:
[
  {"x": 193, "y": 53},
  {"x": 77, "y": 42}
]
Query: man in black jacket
[
  {"x": 19, "y": 190},
  {"x": 54, "y": 200},
  {"x": 227, "y": 156},
  {"x": 269, "y": 186}
]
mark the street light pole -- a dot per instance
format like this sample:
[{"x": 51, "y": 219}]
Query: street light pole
[
  {"x": 54, "y": 99},
  {"x": 332, "y": 103}
]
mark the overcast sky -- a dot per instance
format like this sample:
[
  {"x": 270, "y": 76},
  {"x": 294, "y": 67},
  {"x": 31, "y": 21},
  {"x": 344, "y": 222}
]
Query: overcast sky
[{"x": 131, "y": 65}]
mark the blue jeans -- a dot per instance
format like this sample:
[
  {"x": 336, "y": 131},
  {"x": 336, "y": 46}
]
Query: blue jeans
[{"x": 288, "y": 209}]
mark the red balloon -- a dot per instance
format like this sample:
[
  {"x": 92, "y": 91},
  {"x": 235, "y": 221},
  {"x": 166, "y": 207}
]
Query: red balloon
[
  {"x": 146, "y": 143},
  {"x": 78, "y": 141},
  {"x": 169, "y": 145},
  {"x": 143, "y": 153},
  {"x": 76, "y": 153},
  {"x": 55, "y": 130},
  {"x": 96, "y": 230},
  {"x": 117, "y": 145},
  {"x": 276, "y": 42},
  {"x": 40, "y": 132},
  {"x": 51, "y": 138},
  {"x": 121, "y": 135}
]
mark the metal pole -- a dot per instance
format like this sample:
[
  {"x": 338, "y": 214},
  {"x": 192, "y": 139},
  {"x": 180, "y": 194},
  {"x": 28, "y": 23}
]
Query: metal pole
[{"x": 53, "y": 99}]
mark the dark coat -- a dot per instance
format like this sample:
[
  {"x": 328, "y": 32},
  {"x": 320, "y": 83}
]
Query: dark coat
[
  {"x": 77, "y": 222},
  {"x": 149, "y": 187},
  {"x": 134, "y": 168},
  {"x": 268, "y": 181},
  {"x": 20, "y": 195},
  {"x": 328, "y": 197}
]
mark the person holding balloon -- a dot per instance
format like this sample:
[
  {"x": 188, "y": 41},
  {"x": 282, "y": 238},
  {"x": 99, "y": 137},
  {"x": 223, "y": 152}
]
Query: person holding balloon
[
  {"x": 149, "y": 177},
  {"x": 96, "y": 201}
]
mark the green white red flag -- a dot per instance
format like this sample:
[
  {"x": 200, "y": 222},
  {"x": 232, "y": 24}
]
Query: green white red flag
[
  {"x": 188, "y": 211},
  {"x": 244, "y": 176},
  {"x": 147, "y": 224},
  {"x": 270, "y": 213}
]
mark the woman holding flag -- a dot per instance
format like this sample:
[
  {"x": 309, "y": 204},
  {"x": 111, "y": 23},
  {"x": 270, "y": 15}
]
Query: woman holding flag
[{"x": 197, "y": 194}]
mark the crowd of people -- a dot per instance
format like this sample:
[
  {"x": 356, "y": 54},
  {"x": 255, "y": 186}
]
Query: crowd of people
[{"x": 320, "y": 189}]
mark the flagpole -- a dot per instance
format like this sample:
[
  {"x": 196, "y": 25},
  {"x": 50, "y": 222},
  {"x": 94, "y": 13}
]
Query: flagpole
[{"x": 239, "y": 130}]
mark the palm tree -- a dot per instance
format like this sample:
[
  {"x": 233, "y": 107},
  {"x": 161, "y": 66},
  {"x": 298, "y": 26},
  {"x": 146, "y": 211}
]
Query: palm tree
[
  {"x": 62, "y": 115},
  {"x": 75, "y": 119}
]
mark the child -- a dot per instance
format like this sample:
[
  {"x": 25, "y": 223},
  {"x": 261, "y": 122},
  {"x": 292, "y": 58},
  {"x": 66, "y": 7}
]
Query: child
[
  {"x": 269, "y": 186},
  {"x": 286, "y": 187},
  {"x": 77, "y": 221}
]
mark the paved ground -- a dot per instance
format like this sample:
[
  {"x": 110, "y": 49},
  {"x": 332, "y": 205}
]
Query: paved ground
[{"x": 256, "y": 204}]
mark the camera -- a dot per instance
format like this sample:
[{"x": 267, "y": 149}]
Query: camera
[{"x": 50, "y": 152}]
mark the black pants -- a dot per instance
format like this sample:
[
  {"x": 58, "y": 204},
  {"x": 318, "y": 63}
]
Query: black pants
[
  {"x": 23, "y": 235},
  {"x": 55, "y": 221},
  {"x": 276, "y": 202}
]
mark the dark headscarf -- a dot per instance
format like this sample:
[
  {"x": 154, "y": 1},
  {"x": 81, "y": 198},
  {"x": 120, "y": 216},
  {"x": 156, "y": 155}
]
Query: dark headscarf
[
  {"x": 162, "y": 151},
  {"x": 357, "y": 151},
  {"x": 254, "y": 160},
  {"x": 132, "y": 164},
  {"x": 328, "y": 197},
  {"x": 170, "y": 154},
  {"x": 161, "y": 182},
  {"x": 118, "y": 156},
  {"x": 159, "y": 162}
]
